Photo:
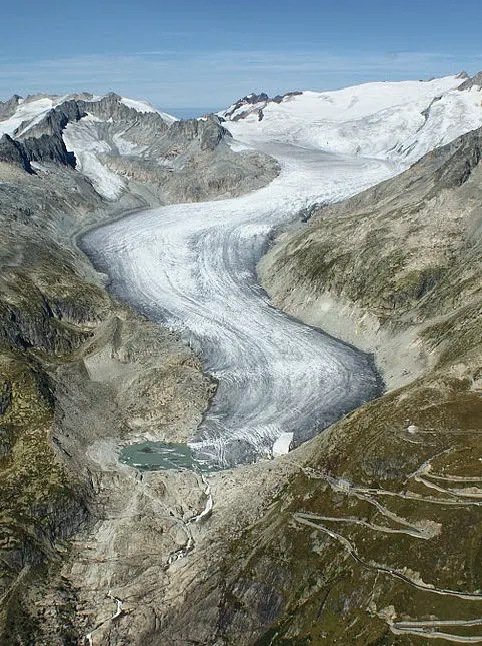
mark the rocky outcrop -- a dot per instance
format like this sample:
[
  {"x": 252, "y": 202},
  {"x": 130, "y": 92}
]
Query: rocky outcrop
[
  {"x": 279, "y": 98},
  {"x": 208, "y": 131},
  {"x": 43, "y": 149},
  {"x": 250, "y": 99},
  {"x": 7, "y": 108},
  {"x": 48, "y": 149},
  {"x": 13, "y": 152},
  {"x": 470, "y": 82},
  {"x": 254, "y": 102}
]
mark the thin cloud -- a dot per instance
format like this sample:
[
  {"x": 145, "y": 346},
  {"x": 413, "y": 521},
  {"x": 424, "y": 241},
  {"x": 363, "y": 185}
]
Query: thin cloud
[{"x": 172, "y": 78}]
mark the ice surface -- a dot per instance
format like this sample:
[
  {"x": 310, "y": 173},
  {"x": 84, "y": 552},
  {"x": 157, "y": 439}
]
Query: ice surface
[
  {"x": 82, "y": 138},
  {"x": 192, "y": 266},
  {"x": 282, "y": 444}
]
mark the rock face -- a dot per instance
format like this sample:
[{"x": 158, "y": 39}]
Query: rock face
[
  {"x": 44, "y": 149},
  {"x": 8, "y": 108},
  {"x": 13, "y": 152},
  {"x": 470, "y": 82}
]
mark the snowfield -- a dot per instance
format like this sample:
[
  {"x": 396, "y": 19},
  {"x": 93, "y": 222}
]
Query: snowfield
[
  {"x": 83, "y": 139},
  {"x": 398, "y": 121}
]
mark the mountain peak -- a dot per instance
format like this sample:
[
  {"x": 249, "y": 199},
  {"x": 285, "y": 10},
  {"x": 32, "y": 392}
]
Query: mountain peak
[{"x": 470, "y": 82}]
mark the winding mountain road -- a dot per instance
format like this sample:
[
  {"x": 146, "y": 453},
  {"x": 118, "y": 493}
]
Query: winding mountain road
[{"x": 192, "y": 267}]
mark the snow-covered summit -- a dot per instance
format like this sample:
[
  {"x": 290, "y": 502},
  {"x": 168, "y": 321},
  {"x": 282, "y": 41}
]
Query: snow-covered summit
[
  {"x": 18, "y": 114},
  {"x": 398, "y": 121},
  {"x": 119, "y": 144},
  {"x": 143, "y": 106}
]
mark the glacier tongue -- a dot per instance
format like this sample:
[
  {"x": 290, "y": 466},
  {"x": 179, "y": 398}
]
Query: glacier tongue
[{"x": 192, "y": 266}]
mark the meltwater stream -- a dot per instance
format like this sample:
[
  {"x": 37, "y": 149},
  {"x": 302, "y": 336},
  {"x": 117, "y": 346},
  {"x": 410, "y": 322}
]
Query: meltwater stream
[{"x": 192, "y": 267}]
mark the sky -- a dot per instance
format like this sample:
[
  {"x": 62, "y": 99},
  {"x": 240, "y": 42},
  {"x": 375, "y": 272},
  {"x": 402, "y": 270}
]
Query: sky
[{"x": 208, "y": 54}]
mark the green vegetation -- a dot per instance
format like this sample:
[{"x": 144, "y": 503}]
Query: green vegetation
[{"x": 382, "y": 525}]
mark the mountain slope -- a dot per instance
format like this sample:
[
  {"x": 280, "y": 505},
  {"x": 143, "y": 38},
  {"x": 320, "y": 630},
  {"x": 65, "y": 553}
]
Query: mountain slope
[
  {"x": 123, "y": 146},
  {"x": 386, "y": 507}
]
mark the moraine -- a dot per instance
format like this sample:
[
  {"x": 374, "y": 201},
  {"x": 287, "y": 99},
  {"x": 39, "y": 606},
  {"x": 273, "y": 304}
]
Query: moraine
[{"x": 193, "y": 268}]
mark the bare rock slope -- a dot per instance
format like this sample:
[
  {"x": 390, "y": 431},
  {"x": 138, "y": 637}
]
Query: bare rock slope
[{"x": 81, "y": 372}]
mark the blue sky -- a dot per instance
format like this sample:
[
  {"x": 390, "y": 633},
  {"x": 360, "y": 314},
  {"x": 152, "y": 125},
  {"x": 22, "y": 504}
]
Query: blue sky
[{"x": 210, "y": 53}]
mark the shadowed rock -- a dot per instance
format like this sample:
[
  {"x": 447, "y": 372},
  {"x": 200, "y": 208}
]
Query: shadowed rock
[
  {"x": 474, "y": 81},
  {"x": 7, "y": 108},
  {"x": 13, "y": 152}
]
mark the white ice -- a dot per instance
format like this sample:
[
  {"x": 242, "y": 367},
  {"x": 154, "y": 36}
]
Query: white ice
[
  {"x": 283, "y": 444},
  {"x": 383, "y": 120},
  {"x": 193, "y": 267}
]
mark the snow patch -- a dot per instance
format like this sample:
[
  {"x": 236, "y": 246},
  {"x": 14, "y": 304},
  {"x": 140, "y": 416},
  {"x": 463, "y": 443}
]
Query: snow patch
[
  {"x": 143, "y": 106},
  {"x": 82, "y": 139},
  {"x": 32, "y": 111}
]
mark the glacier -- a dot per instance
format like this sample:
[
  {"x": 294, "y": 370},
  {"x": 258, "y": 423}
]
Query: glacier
[{"x": 193, "y": 266}]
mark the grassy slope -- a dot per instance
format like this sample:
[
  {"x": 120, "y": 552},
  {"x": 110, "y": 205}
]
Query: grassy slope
[{"x": 409, "y": 253}]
